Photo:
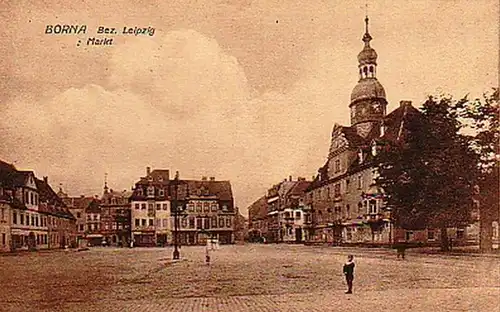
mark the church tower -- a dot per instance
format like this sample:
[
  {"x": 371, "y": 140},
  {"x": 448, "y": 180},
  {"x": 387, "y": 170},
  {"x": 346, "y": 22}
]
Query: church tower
[{"x": 368, "y": 101}]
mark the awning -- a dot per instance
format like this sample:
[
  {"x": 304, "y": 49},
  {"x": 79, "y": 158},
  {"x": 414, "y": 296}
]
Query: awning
[{"x": 93, "y": 236}]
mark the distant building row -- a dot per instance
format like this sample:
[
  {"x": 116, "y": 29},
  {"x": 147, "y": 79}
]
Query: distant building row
[{"x": 146, "y": 216}]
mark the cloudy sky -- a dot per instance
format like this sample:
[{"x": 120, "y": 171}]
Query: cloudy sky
[{"x": 246, "y": 91}]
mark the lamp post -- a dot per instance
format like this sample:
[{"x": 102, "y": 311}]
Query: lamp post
[{"x": 175, "y": 208}]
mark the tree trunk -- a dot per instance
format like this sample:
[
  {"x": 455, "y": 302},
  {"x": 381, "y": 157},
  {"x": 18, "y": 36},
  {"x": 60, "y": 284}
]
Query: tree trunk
[
  {"x": 485, "y": 234},
  {"x": 445, "y": 244}
]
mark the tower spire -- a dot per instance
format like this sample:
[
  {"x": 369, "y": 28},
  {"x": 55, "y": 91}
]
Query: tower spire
[{"x": 106, "y": 183}]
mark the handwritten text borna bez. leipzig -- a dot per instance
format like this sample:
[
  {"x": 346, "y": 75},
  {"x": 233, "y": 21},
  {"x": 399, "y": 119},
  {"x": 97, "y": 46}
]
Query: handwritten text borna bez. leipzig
[{"x": 59, "y": 29}]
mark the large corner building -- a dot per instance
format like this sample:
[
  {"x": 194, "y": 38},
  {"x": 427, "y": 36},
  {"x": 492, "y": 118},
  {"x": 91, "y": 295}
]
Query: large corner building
[{"x": 344, "y": 202}]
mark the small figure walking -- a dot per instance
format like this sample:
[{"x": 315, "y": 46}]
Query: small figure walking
[
  {"x": 349, "y": 273},
  {"x": 207, "y": 256}
]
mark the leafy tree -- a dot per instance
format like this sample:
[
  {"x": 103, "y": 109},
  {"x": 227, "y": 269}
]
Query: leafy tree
[
  {"x": 430, "y": 174},
  {"x": 483, "y": 118}
]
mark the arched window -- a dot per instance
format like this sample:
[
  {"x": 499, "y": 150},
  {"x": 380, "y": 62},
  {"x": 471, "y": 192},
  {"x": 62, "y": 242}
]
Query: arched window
[
  {"x": 365, "y": 70},
  {"x": 371, "y": 69}
]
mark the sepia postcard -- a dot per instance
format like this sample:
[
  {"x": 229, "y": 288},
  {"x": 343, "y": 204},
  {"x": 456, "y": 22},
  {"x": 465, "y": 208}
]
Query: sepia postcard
[{"x": 249, "y": 155}]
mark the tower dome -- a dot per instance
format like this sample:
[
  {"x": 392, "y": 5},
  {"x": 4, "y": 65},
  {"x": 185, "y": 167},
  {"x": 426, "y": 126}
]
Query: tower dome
[{"x": 368, "y": 99}]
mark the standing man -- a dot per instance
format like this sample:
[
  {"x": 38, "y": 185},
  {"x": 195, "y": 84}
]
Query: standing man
[{"x": 349, "y": 273}]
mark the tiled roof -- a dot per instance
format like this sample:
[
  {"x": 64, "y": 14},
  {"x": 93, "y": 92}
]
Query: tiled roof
[
  {"x": 299, "y": 188},
  {"x": 93, "y": 206},
  {"x": 221, "y": 189},
  {"x": 258, "y": 210},
  {"x": 54, "y": 204}
]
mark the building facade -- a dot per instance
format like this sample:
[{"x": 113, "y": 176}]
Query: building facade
[
  {"x": 32, "y": 216},
  {"x": 287, "y": 212},
  {"x": 115, "y": 217},
  {"x": 150, "y": 209},
  {"x": 257, "y": 221},
  {"x": 345, "y": 204},
  {"x": 205, "y": 210},
  {"x": 209, "y": 212}
]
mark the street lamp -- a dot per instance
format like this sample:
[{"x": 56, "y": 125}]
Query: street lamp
[{"x": 177, "y": 208}]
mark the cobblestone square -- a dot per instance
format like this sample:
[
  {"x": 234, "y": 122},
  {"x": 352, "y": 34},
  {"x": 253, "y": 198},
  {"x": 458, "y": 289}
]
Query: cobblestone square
[{"x": 246, "y": 278}]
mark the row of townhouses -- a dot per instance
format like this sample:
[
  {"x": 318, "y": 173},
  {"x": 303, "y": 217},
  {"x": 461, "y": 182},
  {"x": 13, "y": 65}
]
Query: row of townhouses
[
  {"x": 342, "y": 204},
  {"x": 32, "y": 216},
  {"x": 147, "y": 216}
]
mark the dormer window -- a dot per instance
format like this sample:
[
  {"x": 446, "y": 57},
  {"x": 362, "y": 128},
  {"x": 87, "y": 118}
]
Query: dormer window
[
  {"x": 151, "y": 191},
  {"x": 162, "y": 192}
]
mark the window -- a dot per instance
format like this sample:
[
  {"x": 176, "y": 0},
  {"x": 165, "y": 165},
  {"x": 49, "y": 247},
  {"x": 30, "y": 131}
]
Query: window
[
  {"x": 3, "y": 239},
  {"x": 32, "y": 220},
  {"x": 137, "y": 206},
  {"x": 336, "y": 190},
  {"x": 198, "y": 207},
  {"x": 151, "y": 191},
  {"x": 143, "y": 206},
  {"x": 347, "y": 184},
  {"x": 143, "y": 222},
  {"x": 214, "y": 208},
  {"x": 224, "y": 207},
  {"x": 206, "y": 207},
  {"x": 89, "y": 217},
  {"x": 78, "y": 215},
  {"x": 191, "y": 222},
  {"x": 81, "y": 227},
  {"x": 36, "y": 199},
  {"x": 32, "y": 200},
  {"x": 191, "y": 207},
  {"x": 95, "y": 217},
  {"x": 228, "y": 222},
  {"x": 206, "y": 223},
  {"x": 221, "y": 222},
  {"x": 360, "y": 182},
  {"x": 26, "y": 197},
  {"x": 137, "y": 222},
  {"x": 214, "y": 222},
  {"x": 199, "y": 223},
  {"x": 21, "y": 219},
  {"x": 348, "y": 210},
  {"x": 460, "y": 233},
  {"x": 36, "y": 221},
  {"x": 373, "y": 206},
  {"x": 360, "y": 207},
  {"x": 165, "y": 206},
  {"x": 162, "y": 193},
  {"x": 297, "y": 215},
  {"x": 337, "y": 165},
  {"x": 430, "y": 235},
  {"x": 409, "y": 235},
  {"x": 184, "y": 223},
  {"x": 151, "y": 222},
  {"x": 158, "y": 206}
]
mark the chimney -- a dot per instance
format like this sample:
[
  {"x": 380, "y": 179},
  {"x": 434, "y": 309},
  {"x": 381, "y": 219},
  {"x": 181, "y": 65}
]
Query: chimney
[
  {"x": 46, "y": 180},
  {"x": 290, "y": 178},
  {"x": 404, "y": 103},
  {"x": 148, "y": 171},
  {"x": 212, "y": 178},
  {"x": 203, "y": 178}
]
